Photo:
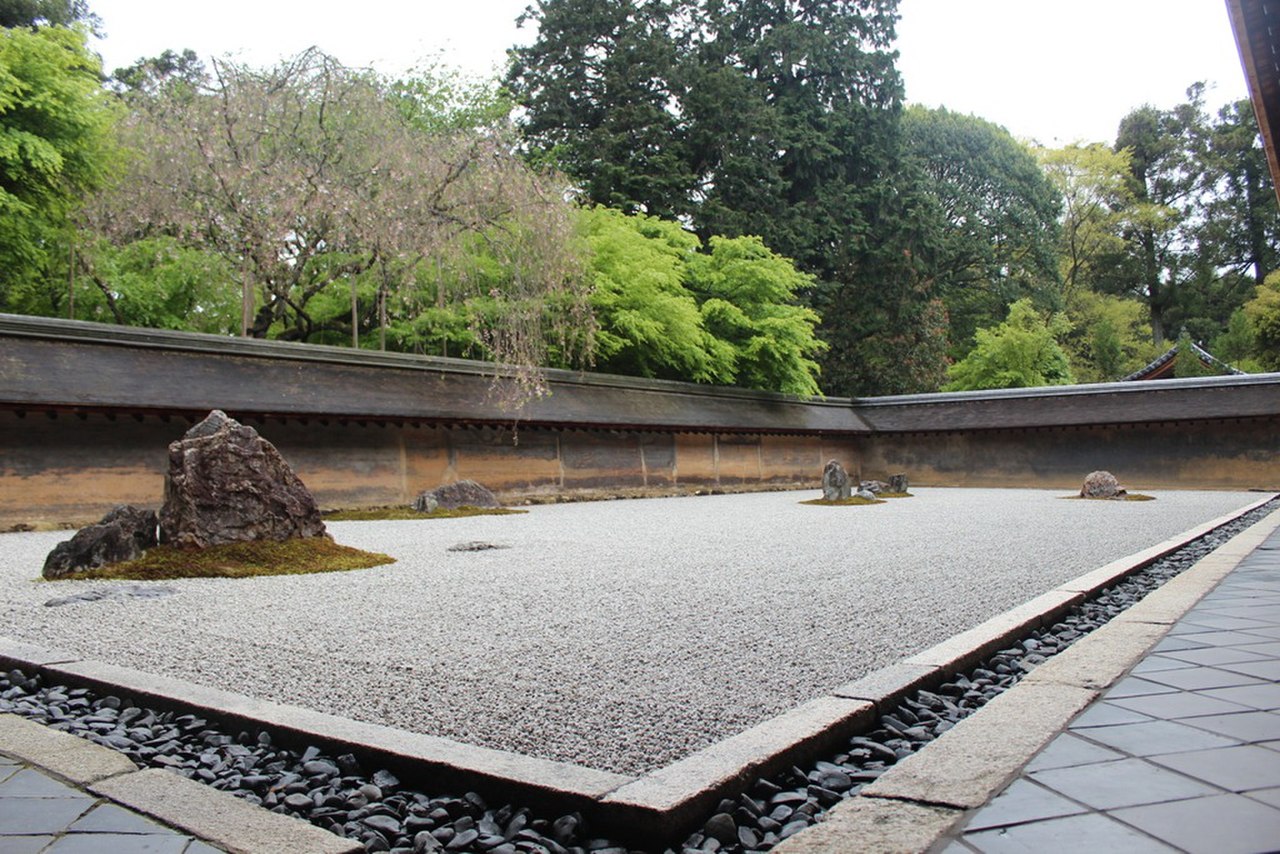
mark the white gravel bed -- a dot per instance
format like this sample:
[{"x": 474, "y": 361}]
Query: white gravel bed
[{"x": 620, "y": 635}]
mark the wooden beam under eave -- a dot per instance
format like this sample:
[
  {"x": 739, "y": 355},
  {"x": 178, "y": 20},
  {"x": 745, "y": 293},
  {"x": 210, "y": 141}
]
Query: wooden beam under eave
[{"x": 1259, "y": 48}]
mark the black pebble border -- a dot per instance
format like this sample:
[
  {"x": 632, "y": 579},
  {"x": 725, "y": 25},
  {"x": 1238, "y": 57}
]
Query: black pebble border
[{"x": 337, "y": 794}]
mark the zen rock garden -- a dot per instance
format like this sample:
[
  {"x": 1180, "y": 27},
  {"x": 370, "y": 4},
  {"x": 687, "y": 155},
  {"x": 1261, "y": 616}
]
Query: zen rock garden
[{"x": 225, "y": 484}]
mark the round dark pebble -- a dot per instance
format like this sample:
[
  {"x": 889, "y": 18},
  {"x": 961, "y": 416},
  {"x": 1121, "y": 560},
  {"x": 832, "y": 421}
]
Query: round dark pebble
[{"x": 722, "y": 828}]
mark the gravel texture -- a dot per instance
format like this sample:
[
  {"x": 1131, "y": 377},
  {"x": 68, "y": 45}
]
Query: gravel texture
[{"x": 620, "y": 635}]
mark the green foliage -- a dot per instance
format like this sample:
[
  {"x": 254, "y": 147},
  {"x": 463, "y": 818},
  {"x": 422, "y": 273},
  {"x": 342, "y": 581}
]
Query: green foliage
[
  {"x": 650, "y": 325},
  {"x": 55, "y": 146},
  {"x": 666, "y": 309},
  {"x": 1236, "y": 344},
  {"x": 1203, "y": 225},
  {"x": 1096, "y": 193},
  {"x": 1238, "y": 227},
  {"x": 160, "y": 284},
  {"x": 770, "y": 119},
  {"x": 1022, "y": 352},
  {"x": 747, "y": 295},
  {"x": 1001, "y": 216},
  {"x": 886, "y": 324},
  {"x": 1263, "y": 313},
  {"x": 149, "y": 74},
  {"x": 47, "y": 13},
  {"x": 1109, "y": 337},
  {"x": 338, "y": 199},
  {"x": 437, "y": 99},
  {"x": 600, "y": 93}
]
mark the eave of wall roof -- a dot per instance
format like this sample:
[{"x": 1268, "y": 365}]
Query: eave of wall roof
[
  {"x": 1256, "y": 24},
  {"x": 77, "y": 366}
]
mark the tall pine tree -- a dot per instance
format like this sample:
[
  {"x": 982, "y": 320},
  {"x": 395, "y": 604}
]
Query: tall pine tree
[{"x": 775, "y": 118}]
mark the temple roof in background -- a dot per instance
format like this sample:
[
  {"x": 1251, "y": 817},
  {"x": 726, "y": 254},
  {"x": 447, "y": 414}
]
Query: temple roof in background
[{"x": 1162, "y": 368}]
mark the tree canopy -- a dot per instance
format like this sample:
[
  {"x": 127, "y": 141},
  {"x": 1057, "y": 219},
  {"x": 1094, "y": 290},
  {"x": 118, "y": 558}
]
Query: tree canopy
[
  {"x": 724, "y": 191},
  {"x": 666, "y": 308},
  {"x": 55, "y": 147},
  {"x": 1021, "y": 352},
  {"x": 1001, "y": 217},
  {"x": 309, "y": 177},
  {"x": 775, "y": 119},
  {"x": 46, "y": 13}
]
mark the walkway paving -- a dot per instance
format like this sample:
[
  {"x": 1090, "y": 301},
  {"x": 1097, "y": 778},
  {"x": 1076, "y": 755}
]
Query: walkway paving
[
  {"x": 66, "y": 795},
  {"x": 39, "y": 813},
  {"x": 1183, "y": 754}
]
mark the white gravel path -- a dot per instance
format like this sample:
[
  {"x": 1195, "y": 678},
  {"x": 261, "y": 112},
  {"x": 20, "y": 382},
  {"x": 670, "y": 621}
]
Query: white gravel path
[{"x": 620, "y": 635}]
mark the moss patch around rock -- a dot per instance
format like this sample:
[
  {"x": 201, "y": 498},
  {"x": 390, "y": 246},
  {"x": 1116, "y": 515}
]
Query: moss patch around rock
[
  {"x": 1132, "y": 496},
  {"x": 396, "y": 514},
  {"x": 239, "y": 560},
  {"x": 852, "y": 501}
]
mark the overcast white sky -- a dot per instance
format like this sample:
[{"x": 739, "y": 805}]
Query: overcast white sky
[{"x": 1053, "y": 72}]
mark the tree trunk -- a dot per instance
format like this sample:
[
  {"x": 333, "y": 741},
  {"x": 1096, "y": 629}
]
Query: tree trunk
[
  {"x": 355, "y": 317},
  {"x": 382, "y": 317},
  {"x": 71, "y": 283},
  {"x": 246, "y": 299}
]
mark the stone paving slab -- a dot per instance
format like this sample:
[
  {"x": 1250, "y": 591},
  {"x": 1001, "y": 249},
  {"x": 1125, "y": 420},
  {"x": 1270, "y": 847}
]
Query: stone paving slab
[
  {"x": 1183, "y": 755},
  {"x": 44, "y": 805},
  {"x": 219, "y": 817},
  {"x": 68, "y": 756}
]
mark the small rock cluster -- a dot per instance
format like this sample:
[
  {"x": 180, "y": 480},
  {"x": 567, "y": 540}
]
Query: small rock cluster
[
  {"x": 451, "y": 496},
  {"x": 385, "y": 815},
  {"x": 895, "y": 485},
  {"x": 837, "y": 486},
  {"x": 226, "y": 484}
]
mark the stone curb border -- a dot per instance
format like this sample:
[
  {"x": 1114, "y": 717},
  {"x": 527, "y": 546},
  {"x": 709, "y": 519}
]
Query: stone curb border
[
  {"x": 668, "y": 802},
  {"x": 216, "y": 817},
  {"x": 914, "y": 805}
]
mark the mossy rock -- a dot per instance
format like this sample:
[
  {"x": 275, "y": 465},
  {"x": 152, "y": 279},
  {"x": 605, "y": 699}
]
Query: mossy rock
[
  {"x": 239, "y": 560},
  {"x": 399, "y": 514},
  {"x": 852, "y": 501}
]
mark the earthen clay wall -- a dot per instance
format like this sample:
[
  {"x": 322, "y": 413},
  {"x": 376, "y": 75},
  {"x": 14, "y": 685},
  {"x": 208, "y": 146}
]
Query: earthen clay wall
[{"x": 70, "y": 469}]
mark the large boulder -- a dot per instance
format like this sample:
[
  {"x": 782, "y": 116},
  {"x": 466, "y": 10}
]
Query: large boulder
[
  {"x": 835, "y": 482},
  {"x": 464, "y": 493},
  {"x": 123, "y": 534},
  {"x": 226, "y": 484},
  {"x": 1101, "y": 484},
  {"x": 898, "y": 484}
]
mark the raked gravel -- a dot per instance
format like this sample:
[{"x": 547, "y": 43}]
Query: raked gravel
[{"x": 620, "y": 635}]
